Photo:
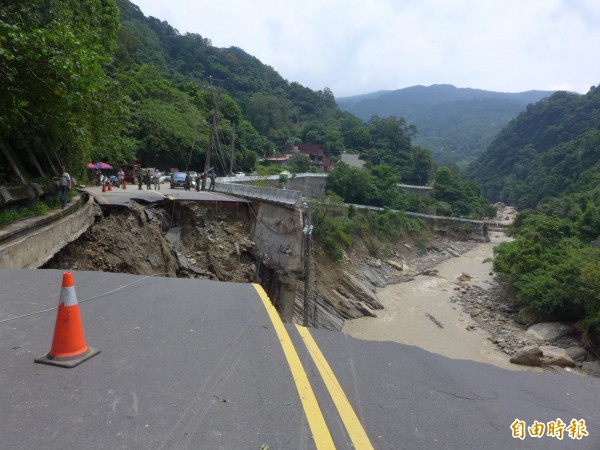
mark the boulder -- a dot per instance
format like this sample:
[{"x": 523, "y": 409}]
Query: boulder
[
  {"x": 548, "y": 331},
  {"x": 452, "y": 252},
  {"x": 556, "y": 356},
  {"x": 375, "y": 263},
  {"x": 430, "y": 272},
  {"x": 528, "y": 356},
  {"x": 396, "y": 265},
  {"x": 591, "y": 366},
  {"x": 464, "y": 277},
  {"x": 577, "y": 353}
]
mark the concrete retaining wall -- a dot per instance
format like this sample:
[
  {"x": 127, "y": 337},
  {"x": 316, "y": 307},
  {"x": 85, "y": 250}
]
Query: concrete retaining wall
[
  {"x": 279, "y": 196},
  {"x": 308, "y": 184},
  {"x": 277, "y": 232},
  {"x": 38, "y": 239},
  {"x": 422, "y": 191}
]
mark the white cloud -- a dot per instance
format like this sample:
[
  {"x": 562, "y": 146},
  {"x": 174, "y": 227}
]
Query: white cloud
[{"x": 357, "y": 46}]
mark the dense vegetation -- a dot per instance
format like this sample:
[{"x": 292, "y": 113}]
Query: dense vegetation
[
  {"x": 336, "y": 227},
  {"x": 457, "y": 124},
  {"x": 97, "y": 80},
  {"x": 377, "y": 186},
  {"x": 56, "y": 95},
  {"x": 548, "y": 160},
  {"x": 93, "y": 80},
  {"x": 548, "y": 150}
]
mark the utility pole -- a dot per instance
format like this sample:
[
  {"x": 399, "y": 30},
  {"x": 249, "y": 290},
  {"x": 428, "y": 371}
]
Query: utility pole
[
  {"x": 307, "y": 233},
  {"x": 213, "y": 128},
  {"x": 232, "y": 150}
]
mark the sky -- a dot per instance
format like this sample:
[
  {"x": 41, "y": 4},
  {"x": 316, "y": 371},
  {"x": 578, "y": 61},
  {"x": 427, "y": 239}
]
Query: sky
[{"x": 360, "y": 46}]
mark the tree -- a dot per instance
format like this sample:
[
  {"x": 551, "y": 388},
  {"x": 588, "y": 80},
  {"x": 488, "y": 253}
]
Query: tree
[
  {"x": 300, "y": 162},
  {"x": 352, "y": 184},
  {"x": 53, "y": 59},
  {"x": 385, "y": 178},
  {"x": 463, "y": 196}
]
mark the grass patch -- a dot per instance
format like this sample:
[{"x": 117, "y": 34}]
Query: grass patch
[
  {"x": 334, "y": 232},
  {"x": 38, "y": 208}
]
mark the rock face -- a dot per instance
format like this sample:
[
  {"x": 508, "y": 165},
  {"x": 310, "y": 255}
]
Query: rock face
[
  {"x": 372, "y": 275},
  {"x": 360, "y": 290},
  {"x": 548, "y": 331}
]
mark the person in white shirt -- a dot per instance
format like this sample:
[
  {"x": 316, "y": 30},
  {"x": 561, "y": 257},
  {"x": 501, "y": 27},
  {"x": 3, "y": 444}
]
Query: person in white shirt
[
  {"x": 64, "y": 185},
  {"x": 156, "y": 180}
]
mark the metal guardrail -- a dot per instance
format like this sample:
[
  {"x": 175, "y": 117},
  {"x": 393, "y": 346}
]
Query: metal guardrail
[{"x": 498, "y": 223}]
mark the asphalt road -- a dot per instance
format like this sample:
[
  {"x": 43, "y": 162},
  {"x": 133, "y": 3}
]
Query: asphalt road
[
  {"x": 125, "y": 197},
  {"x": 208, "y": 365}
]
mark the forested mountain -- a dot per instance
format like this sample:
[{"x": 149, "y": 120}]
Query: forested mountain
[
  {"x": 457, "y": 124},
  {"x": 550, "y": 149},
  {"x": 96, "y": 80},
  {"x": 548, "y": 159}
]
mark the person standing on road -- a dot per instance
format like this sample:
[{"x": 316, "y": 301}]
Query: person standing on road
[
  {"x": 64, "y": 185},
  {"x": 213, "y": 177},
  {"x": 148, "y": 180},
  {"x": 188, "y": 182},
  {"x": 120, "y": 178},
  {"x": 198, "y": 180},
  {"x": 156, "y": 180},
  {"x": 140, "y": 180}
]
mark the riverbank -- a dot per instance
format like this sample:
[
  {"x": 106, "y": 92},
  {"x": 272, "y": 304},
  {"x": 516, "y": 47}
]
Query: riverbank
[{"x": 425, "y": 312}]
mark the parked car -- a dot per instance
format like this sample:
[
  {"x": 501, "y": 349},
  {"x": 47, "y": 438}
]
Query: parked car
[
  {"x": 177, "y": 179},
  {"x": 240, "y": 174},
  {"x": 286, "y": 173},
  {"x": 164, "y": 178}
]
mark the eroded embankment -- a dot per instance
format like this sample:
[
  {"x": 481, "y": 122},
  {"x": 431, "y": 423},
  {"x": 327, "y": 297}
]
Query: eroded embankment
[{"x": 180, "y": 239}]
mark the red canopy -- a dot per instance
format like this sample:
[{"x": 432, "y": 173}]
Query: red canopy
[{"x": 100, "y": 165}]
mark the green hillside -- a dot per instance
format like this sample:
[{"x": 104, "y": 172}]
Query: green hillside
[
  {"x": 96, "y": 80},
  {"x": 550, "y": 149},
  {"x": 457, "y": 124},
  {"x": 548, "y": 159}
]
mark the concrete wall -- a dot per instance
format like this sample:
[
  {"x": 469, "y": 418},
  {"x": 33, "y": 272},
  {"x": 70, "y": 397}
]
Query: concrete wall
[
  {"x": 26, "y": 193},
  {"x": 308, "y": 184},
  {"x": 277, "y": 232},
  {"x": 279, "y": 196},
  {"x": 36, "y": 240},
  {"x": 422, "y": 191}
]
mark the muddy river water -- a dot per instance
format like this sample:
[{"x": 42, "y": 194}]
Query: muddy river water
[{"x": 420, "y": 312}]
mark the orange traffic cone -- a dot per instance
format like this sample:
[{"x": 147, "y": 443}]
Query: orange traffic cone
[
  {"x": 103, "y": 187},
  {"x": 124, "y": 185},
  {"x": 68, "y": 345},
  {"x": 109, "y": 186}
]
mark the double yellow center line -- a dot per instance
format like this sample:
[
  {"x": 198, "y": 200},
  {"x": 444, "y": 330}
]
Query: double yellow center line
[{"x": 316, "y": 421}]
